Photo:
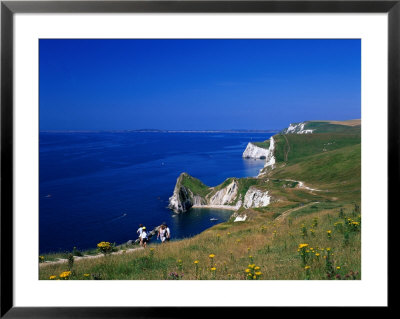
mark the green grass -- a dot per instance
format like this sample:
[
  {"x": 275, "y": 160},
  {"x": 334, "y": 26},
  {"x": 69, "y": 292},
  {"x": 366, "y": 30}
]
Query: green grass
[
  {"x": 293, "y": 148},
  {"x": 269, "y": 244},
  {"x": 195, "y": 185},
  {"x": 326, "y": 127},
  {"x": 312, "y": 209},
  {"x": 338, "y": 168},
  {"x": 264, "y": 144}
]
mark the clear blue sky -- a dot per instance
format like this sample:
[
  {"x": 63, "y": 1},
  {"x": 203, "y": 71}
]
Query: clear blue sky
[{"x": 197, "y": 84}]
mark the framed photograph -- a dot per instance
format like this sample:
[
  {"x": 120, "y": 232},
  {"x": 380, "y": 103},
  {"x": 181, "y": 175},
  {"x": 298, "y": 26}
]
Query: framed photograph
[{"x": 158, "y": 156}]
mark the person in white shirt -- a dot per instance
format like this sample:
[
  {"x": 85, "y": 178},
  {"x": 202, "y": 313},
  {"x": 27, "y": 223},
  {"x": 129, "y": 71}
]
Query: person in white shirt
[
  {"x": 167, "y": 233},
  {"x": 143, "y": 237},
  {"x": 140, "y": 229},
  {"x": 163, "y": 233}
]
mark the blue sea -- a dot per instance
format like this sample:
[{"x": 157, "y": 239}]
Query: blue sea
[{"x": 99, "y": 186}]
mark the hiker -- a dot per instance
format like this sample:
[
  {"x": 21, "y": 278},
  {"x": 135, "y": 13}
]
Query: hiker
[
  {"x": 162, "y": 233},
  {"x": 140, "y": 229},
  {"x": 168, "y": 232},
  {"x": 143, "y": 237}
]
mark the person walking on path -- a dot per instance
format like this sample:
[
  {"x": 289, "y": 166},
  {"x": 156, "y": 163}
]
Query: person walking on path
[
  {"x": 143, "y": 237},
  {"x": 139, "y": 231},
  {"x": 162, "y": 233},
  {"x": 167, "y": 232}
]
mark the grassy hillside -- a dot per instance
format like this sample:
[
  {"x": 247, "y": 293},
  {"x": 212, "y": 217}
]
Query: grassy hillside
[
  {"x": 293, "y": 148},
  {"x": 195, "y": 185},
  {"x": 310, "y": 230},
  {"x": 331, "y": 127},
  {"x": 333, "y": 252}
]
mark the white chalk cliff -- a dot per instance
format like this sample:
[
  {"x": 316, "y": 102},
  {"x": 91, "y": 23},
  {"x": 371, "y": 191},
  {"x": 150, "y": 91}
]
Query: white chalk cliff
[
  {"x": 270, "y": 158},
  {"x": 183, "y": 198},
  {"x": 254, "y": 151},
  {"x": 296, "y": 128},
  {"x": 226, "y": 195},
  {"x": 256, "y": 198}
]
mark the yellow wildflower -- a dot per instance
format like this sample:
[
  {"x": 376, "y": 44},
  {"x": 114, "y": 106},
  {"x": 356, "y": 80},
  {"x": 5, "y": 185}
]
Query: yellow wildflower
[{"x": 65, "y": 274}]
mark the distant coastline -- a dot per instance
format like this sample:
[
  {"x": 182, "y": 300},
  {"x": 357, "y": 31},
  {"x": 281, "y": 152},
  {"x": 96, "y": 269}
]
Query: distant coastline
[{"x": 162, "y": 131}]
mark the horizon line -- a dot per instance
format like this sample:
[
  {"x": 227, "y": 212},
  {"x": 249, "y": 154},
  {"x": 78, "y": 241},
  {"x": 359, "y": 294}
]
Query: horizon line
[{"x": 164, "y": 130}]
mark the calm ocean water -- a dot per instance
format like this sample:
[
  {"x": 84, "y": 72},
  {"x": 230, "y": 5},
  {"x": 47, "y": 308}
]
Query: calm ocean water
[{"x": 99, "y": 186}]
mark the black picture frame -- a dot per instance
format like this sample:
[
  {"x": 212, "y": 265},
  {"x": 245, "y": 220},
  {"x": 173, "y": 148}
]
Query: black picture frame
[{"x": 9, "y": 8}]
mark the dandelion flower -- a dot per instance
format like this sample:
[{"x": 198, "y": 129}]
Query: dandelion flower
[
  {"x": 65, "y": 274},
  {"x": 303, "y": 246}
]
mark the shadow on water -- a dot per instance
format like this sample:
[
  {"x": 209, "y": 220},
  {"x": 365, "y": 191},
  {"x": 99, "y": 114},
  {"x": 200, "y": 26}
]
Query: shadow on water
[{"x": 198, "y": 220}]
